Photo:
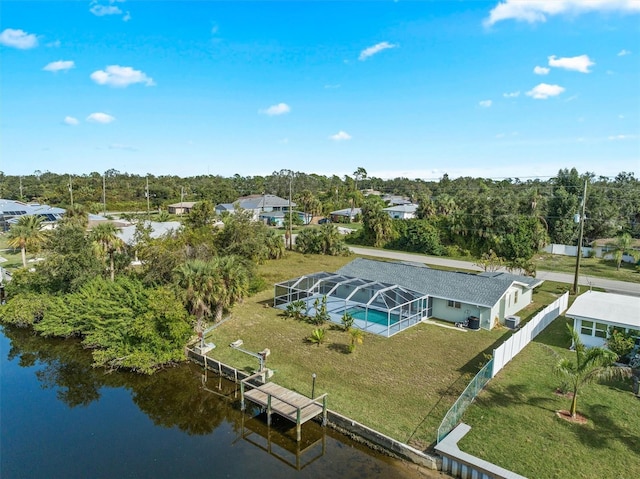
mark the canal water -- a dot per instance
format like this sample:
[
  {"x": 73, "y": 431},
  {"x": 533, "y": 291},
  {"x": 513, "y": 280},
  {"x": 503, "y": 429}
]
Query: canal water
[{"x": 61, "y": 418}]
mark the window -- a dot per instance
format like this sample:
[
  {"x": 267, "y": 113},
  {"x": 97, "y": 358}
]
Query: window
[
  {"x": 601, "y": 330},
  {"x": 515, "y": 298},
  {"x": 454, "y": 304},
  {"x": 587, "y": 328}
]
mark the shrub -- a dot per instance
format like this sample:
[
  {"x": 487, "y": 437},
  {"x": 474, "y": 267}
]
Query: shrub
[
  {"x": 318, "y": 336},
  {"x": 620, "y": 343}
]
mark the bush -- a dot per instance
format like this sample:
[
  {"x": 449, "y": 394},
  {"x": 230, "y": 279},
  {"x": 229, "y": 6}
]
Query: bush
[{"x": 620, "y": 343}]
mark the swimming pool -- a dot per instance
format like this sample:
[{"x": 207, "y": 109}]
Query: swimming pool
[{"x": 373, "y": 316}]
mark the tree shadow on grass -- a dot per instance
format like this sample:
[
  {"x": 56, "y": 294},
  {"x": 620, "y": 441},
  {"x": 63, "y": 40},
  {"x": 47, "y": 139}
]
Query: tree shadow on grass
[
  {"x": 340, "y": 348},
  {"x": 606, "y": 430}
]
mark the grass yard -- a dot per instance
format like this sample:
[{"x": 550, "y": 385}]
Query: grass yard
[
  {"x": 401, "y": 386},
  {"x": 596, "y": 267},
  {"x": 514, "y": 423},
  {"x": 13, "y": 256}
]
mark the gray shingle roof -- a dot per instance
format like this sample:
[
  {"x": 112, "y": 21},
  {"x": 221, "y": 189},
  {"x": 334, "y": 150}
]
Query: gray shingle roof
[
  {"x": 254, "y": 202},
  {"x": 527, "y": 280},
  {"x": 452, "y": 285}
]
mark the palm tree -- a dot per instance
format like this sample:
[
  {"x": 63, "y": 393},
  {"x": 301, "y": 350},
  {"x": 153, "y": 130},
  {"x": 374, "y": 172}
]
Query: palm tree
[
  {"x": 274, "y": 244},
  {"x": 357, "y": 338},
  {"x": 233, "y": 283},
  {"x": 105, "y": 236},
  {"x": 199, "y": 282},
  {"x": 622, "y": 244},
  {"x": 591, "y": 364},
  {"x": 26, "y": 232}
]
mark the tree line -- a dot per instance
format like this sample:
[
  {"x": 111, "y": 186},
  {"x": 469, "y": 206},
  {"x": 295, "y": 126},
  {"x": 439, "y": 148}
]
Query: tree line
[{"x": 475, "y": 208}]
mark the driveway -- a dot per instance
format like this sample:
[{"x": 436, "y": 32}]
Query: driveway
[{"x": 609, "y": 285}]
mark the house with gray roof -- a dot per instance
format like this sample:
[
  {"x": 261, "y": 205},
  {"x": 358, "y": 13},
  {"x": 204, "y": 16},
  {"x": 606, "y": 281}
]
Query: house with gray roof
[
  {"x": 402, "y": 212},
  {"x": 256, "y": 204},
  {"x": 11, "y": 211},
  {"x": 454, "y": 296},
  {"x": 431, "y": 293}
]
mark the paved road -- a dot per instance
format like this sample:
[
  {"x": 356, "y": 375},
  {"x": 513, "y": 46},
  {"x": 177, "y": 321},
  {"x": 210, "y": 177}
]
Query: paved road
[{"x": 609, "y": 285}]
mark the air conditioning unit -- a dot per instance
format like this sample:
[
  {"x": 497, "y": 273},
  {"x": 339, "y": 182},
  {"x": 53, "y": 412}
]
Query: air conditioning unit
[{"x": 512, "y": 322}]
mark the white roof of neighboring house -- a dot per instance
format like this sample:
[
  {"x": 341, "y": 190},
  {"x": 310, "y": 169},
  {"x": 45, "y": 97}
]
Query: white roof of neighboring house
[
  {"x": 157, "y": 230},
  {"x": 184, "y": 204},
  {"x": 609, "y": 307},
  {"x": 410, "y": 208},
  {"x": 347, "y": 212}
]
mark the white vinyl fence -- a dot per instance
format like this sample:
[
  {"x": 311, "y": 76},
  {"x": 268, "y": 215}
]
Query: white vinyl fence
[{"x": 516, "y": 343}]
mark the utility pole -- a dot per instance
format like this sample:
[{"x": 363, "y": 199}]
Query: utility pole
[
  {"x": 104, "y": 196},
  {"x": 290, "y": 221},
  {"x": 181, "y": 199},
  {"x": 21, "y": 196},
  {"x": 579, "y": 255},
  {"x": 146, "y": 193}
]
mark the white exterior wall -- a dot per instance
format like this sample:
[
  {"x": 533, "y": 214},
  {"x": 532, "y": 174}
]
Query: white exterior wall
[
  {"x": 591, "y": 340},
  {"x": 441, "y": 310}
]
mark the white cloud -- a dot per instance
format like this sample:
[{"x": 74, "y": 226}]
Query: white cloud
[
  {"x": 377, "y": 48},
  {"x": 580, "y": 63},
  {"x": 340, "y": 136},
  {"x": 623, "y": 52},
  {"x": 513, "y": 94},
  {"x": 126, "y": 17},
  {"x": 18, "y": 39},
  {"x": 214, "y": 29},
  {"x": 485, "y": 103},
  {"x": 102, "y": 10},
  {"x": 544, "y": 91},
  {"x": 541, "y": 70},
  {"x": 100, "y": 118},
  {"x": 59, "y": 66},
  {"x": 69, "y": 120},
  {"x": 621, "y": 137},
  {"x": 54, "y": 44},
  {"x": 279, "y": 109},
  {"x": 117, "y": 76},
  {"x": 533, "y": 11}
]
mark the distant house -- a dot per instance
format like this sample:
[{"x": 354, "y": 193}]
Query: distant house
[
  {"x": 394, "y": 200},
  {"x": 182, "y": 208},
  {"x": 256, "y": 204},
  {"x": 402, "y": 212},
  {"x": 278, "y": 218},
  {"x": 11, "y": 211},
  {"x": 157, "y": 230},
  {"x": 347, "y": 214},
  {"x": 594, "y": 313}
]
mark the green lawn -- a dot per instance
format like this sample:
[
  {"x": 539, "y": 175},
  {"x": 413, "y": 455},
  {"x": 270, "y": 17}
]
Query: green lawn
[
  {"x": 514, "y": 423},
  {"x": 13, "y": 256},
  {"x": 401, "y": 386},
  {"x": 596, "y": 267}
]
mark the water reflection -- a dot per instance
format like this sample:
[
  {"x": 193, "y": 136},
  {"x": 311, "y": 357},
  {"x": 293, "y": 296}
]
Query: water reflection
[{"x": 192, "y": 424}]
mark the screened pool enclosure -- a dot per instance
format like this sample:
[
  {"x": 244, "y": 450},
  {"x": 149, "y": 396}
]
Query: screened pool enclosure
[{"x": 379, "y": 308}]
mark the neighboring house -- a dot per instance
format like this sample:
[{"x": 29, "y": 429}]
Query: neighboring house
[
  {"x": 278, "y": 218},
  {"x": 348, "y": 214},
  {"x": 600, "y": 248},
  {"x": 11, "y": 210},
  {"x": 256, "y": 204},
  {"x": 182, "y": 208},
  {"x": 402, "y": 212},
  {"x": 594, "y": 313},
  {"x": 394, "y": 200},
  {"x": 158, "y": 229},
  {"x": 447, "y": 295}
]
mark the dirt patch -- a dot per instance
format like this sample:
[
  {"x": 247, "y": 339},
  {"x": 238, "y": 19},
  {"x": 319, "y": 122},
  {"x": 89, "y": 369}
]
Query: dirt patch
[
  {"x": 564, "y": 394},
  {"x": 566, "y": 415}
]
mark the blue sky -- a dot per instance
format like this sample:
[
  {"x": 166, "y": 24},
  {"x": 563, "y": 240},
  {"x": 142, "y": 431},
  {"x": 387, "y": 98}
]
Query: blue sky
[{"x": 406, "y": 88}]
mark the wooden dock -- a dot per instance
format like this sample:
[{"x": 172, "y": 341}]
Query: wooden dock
[{"x": 284, "y": 402}]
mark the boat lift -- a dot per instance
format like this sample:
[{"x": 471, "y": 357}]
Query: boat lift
[{"x": 261, "y": 356}]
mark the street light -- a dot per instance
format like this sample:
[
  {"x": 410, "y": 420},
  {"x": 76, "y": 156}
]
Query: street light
[{"x": 313, "y": 386}]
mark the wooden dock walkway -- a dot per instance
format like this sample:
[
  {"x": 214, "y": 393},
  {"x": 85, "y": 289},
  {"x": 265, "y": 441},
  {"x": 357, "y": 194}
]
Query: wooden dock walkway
[{"x": 284, "y": 402}]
